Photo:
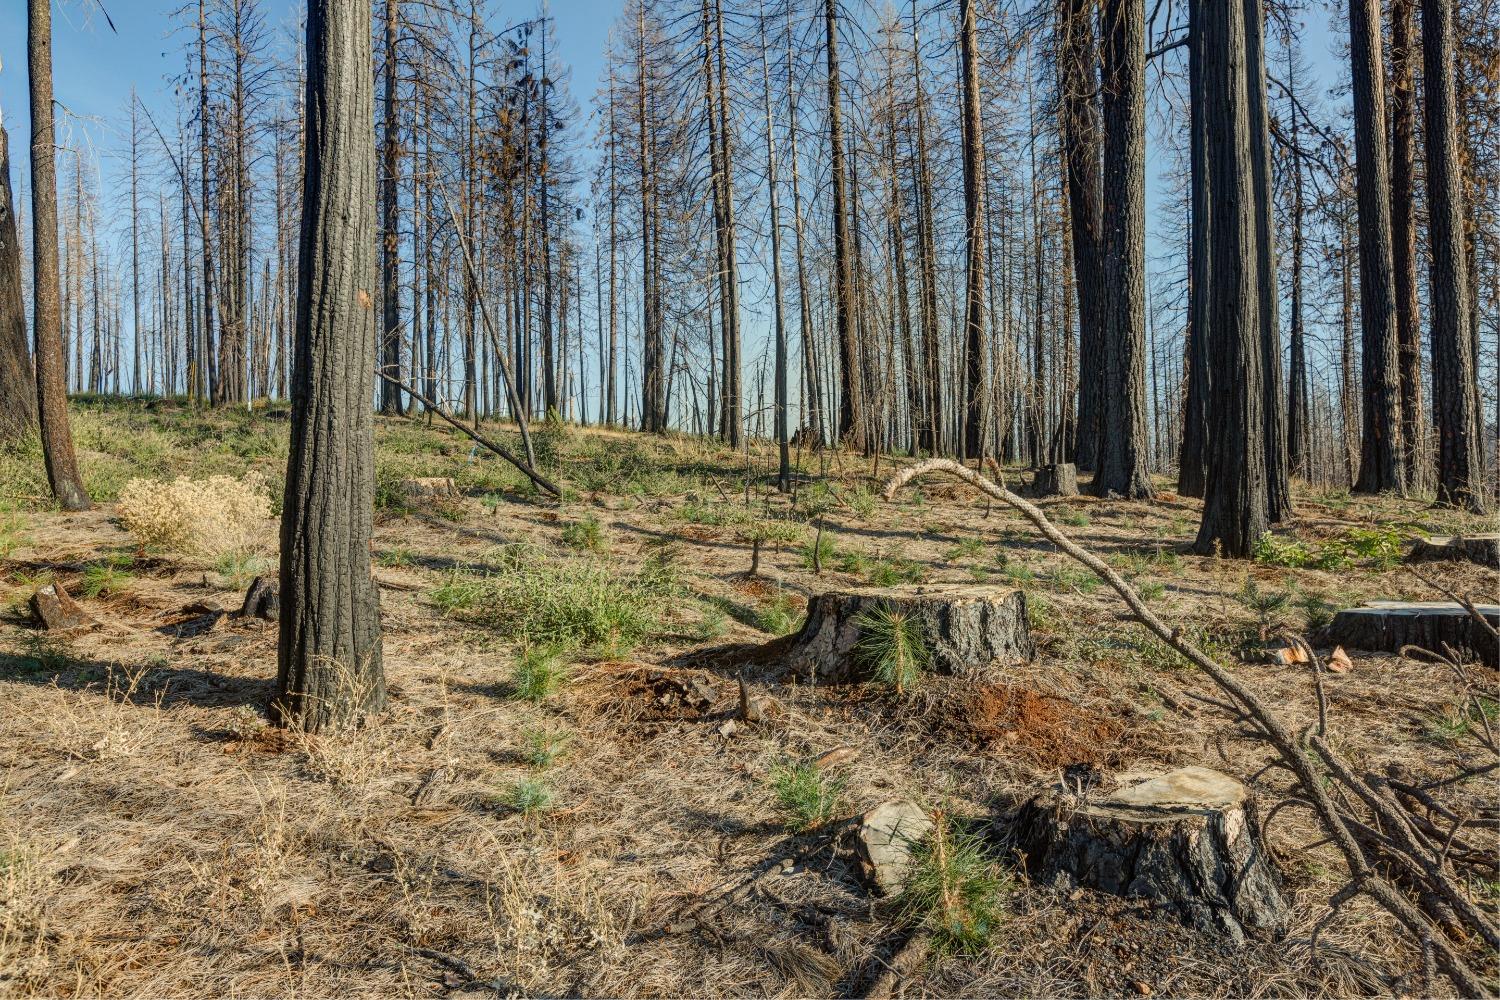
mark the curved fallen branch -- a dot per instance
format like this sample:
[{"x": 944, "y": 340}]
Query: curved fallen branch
[{"x": 1366, "y": 872}]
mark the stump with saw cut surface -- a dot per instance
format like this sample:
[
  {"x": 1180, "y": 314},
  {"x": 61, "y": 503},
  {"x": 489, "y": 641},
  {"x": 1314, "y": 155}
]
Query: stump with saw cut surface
[
  {"x": 1187, "y": 839},
  {"x": 1059, "y": 480},
  {"x": 968, "y": 631},
  {"x": 1483, "y": 550},
  {"x": 1386, "y": 626}
]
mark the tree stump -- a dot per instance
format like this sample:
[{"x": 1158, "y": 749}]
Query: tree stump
[
  {"x": 262, "y": 600},
  {"x": 1386, "y": 626},
  {"x": 56, "y": 611},
  {"x": 1059, "y": 480},
  {"x": 968, "y": 631},
  {"x": 1187, "y": 839},
  {"x": 1484, "y": 550}
]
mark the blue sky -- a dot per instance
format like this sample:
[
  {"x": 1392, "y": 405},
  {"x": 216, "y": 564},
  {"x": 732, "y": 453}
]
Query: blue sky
[{"x": 94, "y": 68}]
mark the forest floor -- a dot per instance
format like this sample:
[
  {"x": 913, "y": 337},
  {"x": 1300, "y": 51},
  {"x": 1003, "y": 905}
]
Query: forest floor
[{"x": 551, "y": 802}]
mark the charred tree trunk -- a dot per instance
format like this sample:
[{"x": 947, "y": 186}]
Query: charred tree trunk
[
  {"x": 329, "y": 657},
  {"x": 851, "y": 426},
  {"x": 1382, "y": 463},
  {"x": 1234, "y": 507},
  {"x": 51, "y": 367},
  {"x": 1455, "y": 401},
  {"x": 1078, "y": 59},
  {"x": 974, "y": 220},
  {"x": 17, "y": 380},
  {"x": 390, "y": 261},
  {"x": 1273, "y": 406},
  {"x": 1123, "y": 450},
  {"x": 1298, "y": 437},
  {"x": 1404, "y": 228},
  {"x": 1192, "y": 457}
]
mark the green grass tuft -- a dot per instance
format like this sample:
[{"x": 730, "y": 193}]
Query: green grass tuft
[
  {"x": 540, "y": 671},
  {"x": 807, "y": 797}
]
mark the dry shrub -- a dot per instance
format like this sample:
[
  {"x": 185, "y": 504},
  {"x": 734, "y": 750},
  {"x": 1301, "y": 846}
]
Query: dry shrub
[{"x": 207, "y": 518}]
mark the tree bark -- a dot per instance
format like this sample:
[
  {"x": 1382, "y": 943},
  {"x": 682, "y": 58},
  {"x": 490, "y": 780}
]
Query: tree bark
[
  {"x": 974, "y": 226},
  {"x": 851, "y": 427},
  {"x": 1382, "y": 463},
  {"x": 17, "y": 379},
  {"x": 390, "y": 260},
  {"x": 1404, "y": 229},
  {"x": 329, "y": 656},
  {"x": 1234, "y": 507},
  {"x": 1455, "y": 389},
  {"x": 1077, "y": 61},
  {"x": 1122, "y": 455},
  {"x": 51, "y": 371}
]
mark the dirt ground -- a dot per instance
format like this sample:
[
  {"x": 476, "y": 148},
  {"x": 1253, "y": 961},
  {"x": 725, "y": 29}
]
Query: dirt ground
[{"x": 157, "y": 838}]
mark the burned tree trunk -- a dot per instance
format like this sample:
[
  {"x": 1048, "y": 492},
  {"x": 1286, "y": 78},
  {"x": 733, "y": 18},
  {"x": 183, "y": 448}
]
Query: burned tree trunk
[
  {"x": 1187, "y": 839},
  {"x": 51, "y": 366},
  {"x": 967, "y": 631},
  {"x": 17, "y": 383},
  {"x": 329, "y": 656},
  {"x": 1059, "y": 480}
]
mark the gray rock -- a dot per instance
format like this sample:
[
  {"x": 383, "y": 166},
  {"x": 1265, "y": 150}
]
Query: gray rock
[{"x": 886, "y": 840}]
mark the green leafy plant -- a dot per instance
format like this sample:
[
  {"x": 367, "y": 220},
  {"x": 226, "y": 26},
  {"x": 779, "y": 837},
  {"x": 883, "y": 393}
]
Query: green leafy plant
[
  {"x": 956, "y": 890},
  {"x": 893, "y": 645},
  {"x": 807, "y": 797}
]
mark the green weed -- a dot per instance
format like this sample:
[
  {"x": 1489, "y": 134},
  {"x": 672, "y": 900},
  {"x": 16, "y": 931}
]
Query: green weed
[{"x": 807, "y": 797}]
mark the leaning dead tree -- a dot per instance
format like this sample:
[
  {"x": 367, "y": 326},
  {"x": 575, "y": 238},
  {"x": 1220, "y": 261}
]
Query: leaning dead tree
[{"x": 1396, "y": 854}]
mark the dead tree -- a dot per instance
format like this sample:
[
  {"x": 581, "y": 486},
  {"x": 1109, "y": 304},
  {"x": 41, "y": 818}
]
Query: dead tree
[
  {"x": 329, "y": 669},
  {"x": 17, "y": 380},
  {"x": 51, "y": 377}
]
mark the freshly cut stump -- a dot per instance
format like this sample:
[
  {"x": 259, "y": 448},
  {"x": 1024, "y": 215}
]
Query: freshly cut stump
[
  {"x": 1187, "y": 839},
  {"x": 968, "y": 631},
  {"x": 1386, "y": 626},
  {"x": 1481, "y": 549},
  {"x": 1060, "y": 480}
]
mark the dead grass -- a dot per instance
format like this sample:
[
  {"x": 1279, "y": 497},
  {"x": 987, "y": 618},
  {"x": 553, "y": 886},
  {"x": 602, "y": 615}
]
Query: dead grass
[{"x": 156, "y": 838}]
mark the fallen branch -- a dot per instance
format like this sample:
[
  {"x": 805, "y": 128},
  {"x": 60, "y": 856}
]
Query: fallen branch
[
  {"x": 1366, "y": 873},
  {"x": 499, "y": 449}
]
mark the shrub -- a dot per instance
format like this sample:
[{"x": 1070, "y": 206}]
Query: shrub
[
  {"x": 806, "y": 796},
  {"x": 893, "y": 645},
  {"x": 205, "y": 518}
]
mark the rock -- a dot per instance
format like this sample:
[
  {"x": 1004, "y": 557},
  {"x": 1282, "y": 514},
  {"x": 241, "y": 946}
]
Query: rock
[
  {"x": 55, "y": 611},
  {"x": 969, "y": 631},
  {"x": 429, "y": 486},
  {"x": 885, "y": 841},
  {"x": 1481, "y": 549},
  {"x": 1339, "y": 662},
  {"x": 1187, "y": 839},
  {"x": 1386, "y": 626},
  {"x": 1059, "y": 480},
  {"x": 262, "y": 600}
]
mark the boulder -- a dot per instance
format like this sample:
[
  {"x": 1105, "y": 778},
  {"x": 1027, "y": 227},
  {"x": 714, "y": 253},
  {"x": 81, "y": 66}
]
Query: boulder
[
  {"x": 969, "y": 631},
  {"x": 55, "y": 611},
  {"x": 1187, "y": 839},
  {"x": 886, "y": 840}
]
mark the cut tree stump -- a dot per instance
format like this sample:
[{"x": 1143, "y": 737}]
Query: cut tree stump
[
  {"x": 56, "y": 611},
  {"x": 1481, "y": 549},
  {"x": 1187, "y": 839},
  {"x": 429, "y": 486},
  {"x": 1386, "y": 626},
  {"x": 1060, "y": 480},
  {"x": 968, "y": 630}
]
